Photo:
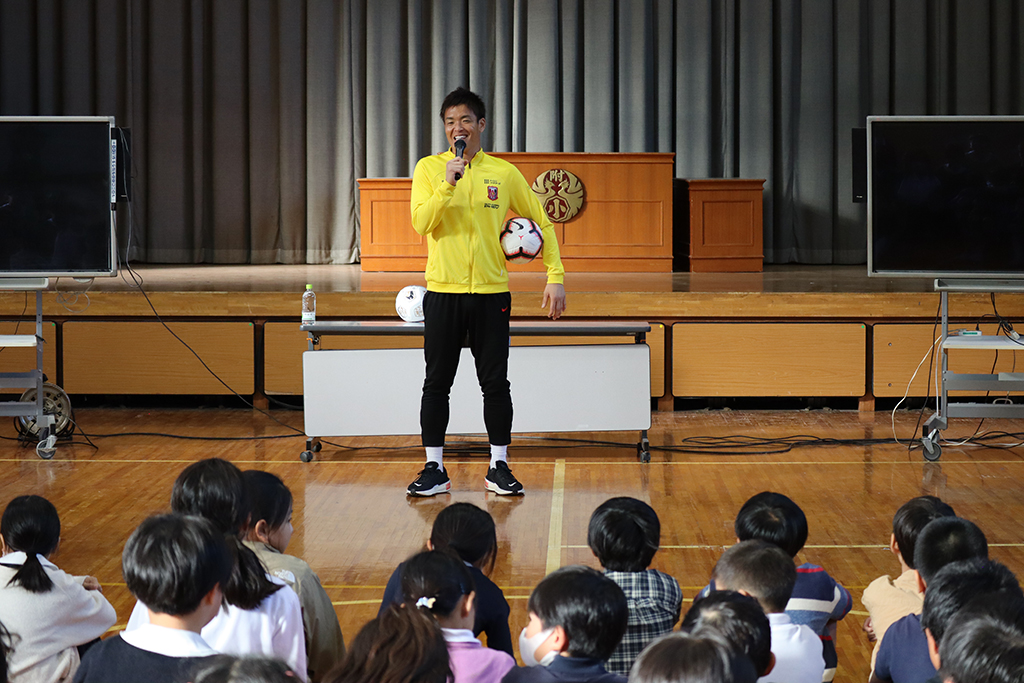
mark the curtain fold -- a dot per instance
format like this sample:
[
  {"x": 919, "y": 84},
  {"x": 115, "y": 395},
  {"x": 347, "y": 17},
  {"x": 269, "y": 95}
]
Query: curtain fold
[{"x": 253, "y": 119}]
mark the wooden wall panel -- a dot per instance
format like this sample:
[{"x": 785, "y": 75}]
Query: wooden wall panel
[
  {"x": 283, "y": 345},
  {"x": 18, "y": 359},
  {"x": 143, "y": 358},
  {"x": 625, "y": 224},
  {"x": 898, "y": 349},
  {"x": 768, "y": 359}
]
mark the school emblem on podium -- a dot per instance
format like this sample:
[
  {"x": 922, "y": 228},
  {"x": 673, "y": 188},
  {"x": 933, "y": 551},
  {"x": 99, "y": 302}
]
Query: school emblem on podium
[
  {"x": 492, "y": 193},
  {"x": 560, "y": 193}
]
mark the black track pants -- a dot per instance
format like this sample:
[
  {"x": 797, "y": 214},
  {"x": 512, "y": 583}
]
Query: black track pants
[{"x": 449, "y": 320}]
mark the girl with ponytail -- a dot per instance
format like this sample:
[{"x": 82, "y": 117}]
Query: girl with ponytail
[
  {"x": 402, "y": 645},
  {"x": 262, "y": 615},
  {"x": 441, "y": 584},
  {"x": 47, "y": 612}
]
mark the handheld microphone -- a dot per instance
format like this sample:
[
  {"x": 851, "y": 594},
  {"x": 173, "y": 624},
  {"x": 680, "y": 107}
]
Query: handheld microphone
[{"x": 460, "y": 147}]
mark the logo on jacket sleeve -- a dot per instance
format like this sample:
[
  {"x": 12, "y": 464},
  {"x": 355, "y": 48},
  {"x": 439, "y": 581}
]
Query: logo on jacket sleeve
[{"x": 492, "y": 193}]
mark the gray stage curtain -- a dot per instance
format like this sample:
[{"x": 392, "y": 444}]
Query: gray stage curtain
[{"x": 252, "y": 119}]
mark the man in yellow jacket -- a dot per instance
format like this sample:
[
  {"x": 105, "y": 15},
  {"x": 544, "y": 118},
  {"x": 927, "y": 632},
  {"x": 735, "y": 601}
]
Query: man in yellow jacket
[{"x": 459, "y": 202}]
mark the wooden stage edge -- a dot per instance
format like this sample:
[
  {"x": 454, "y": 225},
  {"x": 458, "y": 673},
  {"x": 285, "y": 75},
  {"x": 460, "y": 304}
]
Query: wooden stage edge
[{"x": 791, "y": 331}]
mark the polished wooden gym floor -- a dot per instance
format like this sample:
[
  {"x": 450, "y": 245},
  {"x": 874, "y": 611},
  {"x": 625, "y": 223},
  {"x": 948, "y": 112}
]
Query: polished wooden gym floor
[{"x": 354, "y": 524}]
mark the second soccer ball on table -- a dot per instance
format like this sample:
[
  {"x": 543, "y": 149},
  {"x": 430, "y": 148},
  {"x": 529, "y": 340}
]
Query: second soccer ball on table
[{"x": 521, "y": 240}]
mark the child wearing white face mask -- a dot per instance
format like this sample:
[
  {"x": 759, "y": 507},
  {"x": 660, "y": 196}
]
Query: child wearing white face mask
[
  {"x": 577, "y": 618},
  {"x": 440, "y": 583}
]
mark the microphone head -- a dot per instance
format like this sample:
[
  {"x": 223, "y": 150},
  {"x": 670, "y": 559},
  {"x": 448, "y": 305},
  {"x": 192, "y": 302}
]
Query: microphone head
[{"x": 460, "y": 147}]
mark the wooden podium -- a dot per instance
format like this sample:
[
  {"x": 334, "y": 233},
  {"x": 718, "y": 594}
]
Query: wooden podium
[
  {"x": 625, "y": 224},
  {"x": 726, "y": 218}
]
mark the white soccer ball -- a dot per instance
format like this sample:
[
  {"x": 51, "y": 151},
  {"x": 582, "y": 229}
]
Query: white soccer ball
[
  {"x": 409, "y": 303},
  {"x": 521, "y": 240}
]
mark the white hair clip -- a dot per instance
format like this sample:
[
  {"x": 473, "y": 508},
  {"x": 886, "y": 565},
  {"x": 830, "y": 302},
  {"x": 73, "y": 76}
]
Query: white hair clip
[{"x": 426, "y": 602}]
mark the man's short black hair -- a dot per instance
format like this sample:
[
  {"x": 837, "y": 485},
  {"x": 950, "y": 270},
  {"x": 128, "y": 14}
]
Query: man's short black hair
[
  {"x": 590, "y": 608},
  {"x": 683, "y": 658},
  {"x": 759, "y": 568},
  {"x": 467, "y": 97},
  {"x": 945, "y": 540},
  {"x": 911, "y": 518},
  {"x": 736, "y": 618},
  {"x": 171, "y": 562},
  {"x": 624, "y": 534},
  {"x": 958, "y": 583},
  {"x": 775, "y": 518},
  {"x": 985, "y": 642}
]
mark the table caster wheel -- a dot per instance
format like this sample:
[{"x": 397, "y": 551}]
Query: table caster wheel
[
  {"x": 47, "y": 445},
  {"x": 932, "y": 450},
  {"x": 306, "y": 456}
]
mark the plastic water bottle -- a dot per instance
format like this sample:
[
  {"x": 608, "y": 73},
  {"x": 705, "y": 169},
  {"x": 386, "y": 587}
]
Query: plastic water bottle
[{"x": 308, "y": 306}]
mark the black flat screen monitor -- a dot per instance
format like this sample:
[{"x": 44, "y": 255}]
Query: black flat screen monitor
[
  {"x": 56, "y": 203},
  {"x": 946, "y": 197}
]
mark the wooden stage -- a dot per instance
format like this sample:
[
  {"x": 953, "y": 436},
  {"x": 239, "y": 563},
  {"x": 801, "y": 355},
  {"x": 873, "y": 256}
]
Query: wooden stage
[{"x": 791, "y": 331}]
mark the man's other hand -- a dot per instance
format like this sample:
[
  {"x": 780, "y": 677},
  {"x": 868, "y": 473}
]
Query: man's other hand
[{"x": 554, "y": 300}]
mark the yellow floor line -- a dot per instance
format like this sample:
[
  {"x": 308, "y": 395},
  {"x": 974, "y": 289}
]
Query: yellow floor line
[
  {"x": 629, "y": 462},
  {"x": 555, "y": 527}
]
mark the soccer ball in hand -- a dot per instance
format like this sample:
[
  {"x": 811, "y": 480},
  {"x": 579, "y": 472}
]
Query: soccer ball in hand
[
  {"x": 409, "y": 303},
  {"x": 521, "y": 240}
]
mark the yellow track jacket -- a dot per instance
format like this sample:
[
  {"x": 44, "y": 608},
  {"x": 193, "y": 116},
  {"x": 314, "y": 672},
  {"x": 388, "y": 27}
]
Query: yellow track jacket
[{"x": 462, "y": 223}]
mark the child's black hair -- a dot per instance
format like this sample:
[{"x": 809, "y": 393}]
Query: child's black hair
[
  {"x": 775, "y": 518},
  {"x": 624, "y": 533},
  {"x": 590, "y": 608},
  {"x": 249, "y": 669},
  {"x": 30, "y": 524},
  {"x": 911, "y": 518},
  {"x": 215, "y": 489},
  {"x": 469, "y": 532},
  {"x": 682, "y": 658},
  {"x": 985, "y": 642},
  {"x": 402, "y": 644},
  {"x": 467, "y": 97},
  {"x": 439, "y": 576},
  {"x": 271, "y": 499},
  {"x": 736, "y": 618},
  {"x": 759, "y": 568},
  {"x": 958, "y": 583},
  {"x": 171, "y": 562},
  {"x": 945, "y": 540}
]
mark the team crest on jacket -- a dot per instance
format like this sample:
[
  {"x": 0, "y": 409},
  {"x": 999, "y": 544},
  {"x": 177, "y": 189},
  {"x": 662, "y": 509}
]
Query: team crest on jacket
[{"x": 492, "y": 192}]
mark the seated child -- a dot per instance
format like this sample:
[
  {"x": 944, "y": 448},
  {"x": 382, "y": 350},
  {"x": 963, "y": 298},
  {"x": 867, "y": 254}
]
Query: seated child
[
  {"x": 766, "y": 573},
  {"x": 739, "y": 620},
  {"x": 956, "y": 585},
  {"x": 262, "y": 615},
  {"x": 818, "y": 601},
  {"x": 887, "y": 600},
  {"x": 577, "y": 618},
  {"x": 469, "y": 532},
  {"x": 686, "y": 658},
  {"x": 903, "y": 656},
  {"x": 985, "y": 642},
  {"x": 47, "y": 612},
  {"x": 404, "y": 644},
  {"x": 270, "y": 530},
  {"x": 624, "y": 534},
  {"x": 440, "y": 583},
  {"x": 175, "y": 565}
]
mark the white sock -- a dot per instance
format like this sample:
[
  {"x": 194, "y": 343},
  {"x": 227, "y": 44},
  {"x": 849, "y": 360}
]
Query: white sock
[
  {"x": 436, "y": 454},
  {"x": 498, "y": 453}
]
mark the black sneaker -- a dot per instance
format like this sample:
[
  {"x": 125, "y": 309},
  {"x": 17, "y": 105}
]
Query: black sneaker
[
  {"x": 501, "y": 480},
  {"x": 431, "y": 481}
]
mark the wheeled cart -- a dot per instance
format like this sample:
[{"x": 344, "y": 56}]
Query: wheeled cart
[
  {"x": 30, "y": 379},
  {"x": 954, "y": 381}
]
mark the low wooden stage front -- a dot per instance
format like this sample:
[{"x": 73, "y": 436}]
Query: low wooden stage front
[{"x": 786, "y": 332}]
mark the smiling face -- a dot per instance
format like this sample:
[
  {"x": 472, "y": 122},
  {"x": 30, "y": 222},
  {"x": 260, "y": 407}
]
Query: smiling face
[{"x": 461, "y": 123}]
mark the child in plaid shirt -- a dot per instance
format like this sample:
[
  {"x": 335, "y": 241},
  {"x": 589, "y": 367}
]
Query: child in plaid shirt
[{"x": 624, "y": 534}]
